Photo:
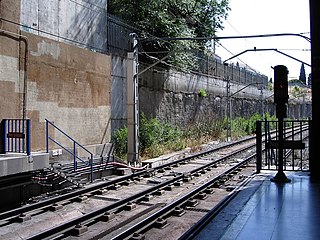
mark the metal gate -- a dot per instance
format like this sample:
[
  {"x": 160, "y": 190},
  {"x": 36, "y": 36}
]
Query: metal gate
[
  {"x": 295, "y": 145},
  {"x": 16, "y": 136}
]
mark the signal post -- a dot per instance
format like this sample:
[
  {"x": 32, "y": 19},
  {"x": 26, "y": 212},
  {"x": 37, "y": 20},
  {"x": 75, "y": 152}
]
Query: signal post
[{"x": 281, "y": 99}]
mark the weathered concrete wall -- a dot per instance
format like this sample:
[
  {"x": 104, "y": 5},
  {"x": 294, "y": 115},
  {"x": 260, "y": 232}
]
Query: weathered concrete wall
[
  {"x": 70, "y": 86},
  {"x": 173, "y": 97},
  {"x": 65, "y": 84},
  {"x": 11, "y": 79},
  {"x": 183, "y": 109},
  {"x": 78, "y": 22},
  {"x": 118, "y": 92}
]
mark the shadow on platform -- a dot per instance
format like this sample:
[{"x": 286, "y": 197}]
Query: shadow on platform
[{"x": 266, "y": 210}]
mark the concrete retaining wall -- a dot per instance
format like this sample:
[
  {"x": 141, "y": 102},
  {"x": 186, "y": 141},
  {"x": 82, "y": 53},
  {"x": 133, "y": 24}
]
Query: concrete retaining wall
[
  {"x": 172, "y": 96},
  {"x": 66, "y": 84},
  {"x": 79, "y": 22},
  {"x": 71, "y": 87}
]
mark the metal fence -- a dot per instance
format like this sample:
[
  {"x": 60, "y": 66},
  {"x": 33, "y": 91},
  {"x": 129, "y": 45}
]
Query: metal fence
[
  {"x": 16, "y": 136},
  {"x": 118, "y": 36},
  {"x": 88, "y": 163},
  {"x": 212, "y": 65},
  {"x": 295, "y": 145}
]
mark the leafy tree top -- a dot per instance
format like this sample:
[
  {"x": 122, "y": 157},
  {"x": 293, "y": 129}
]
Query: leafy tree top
[{"x": 172, "y": 18}]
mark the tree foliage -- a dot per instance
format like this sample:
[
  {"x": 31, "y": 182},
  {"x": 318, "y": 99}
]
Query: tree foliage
[
  {"x": 309, "y": 80},
  {"x": 302, "y": 76},
  {"x": 173, "y": 18}
]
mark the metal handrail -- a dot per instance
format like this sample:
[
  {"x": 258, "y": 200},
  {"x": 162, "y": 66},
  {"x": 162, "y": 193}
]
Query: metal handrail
[
  {"x": 73, "y": 153},
  {"x": 67, "y": 150}
]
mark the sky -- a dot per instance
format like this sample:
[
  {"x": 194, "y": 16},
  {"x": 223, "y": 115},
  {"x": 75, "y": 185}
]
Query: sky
[{"x": 252, "y": 17}]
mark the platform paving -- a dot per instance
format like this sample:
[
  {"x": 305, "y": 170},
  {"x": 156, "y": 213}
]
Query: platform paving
[{"x": 265, "y": 210}]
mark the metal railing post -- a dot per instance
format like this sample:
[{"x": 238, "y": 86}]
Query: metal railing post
[
  {"x": 74, "y": 157},
  {"x": 310, "y": 153},
  {"x": 20, "y": 146},
  {"x": 28, "y": 133},
  {"x": 73, "y": 151},
  {"x": 258, "y": 146},
  {"x": 47, "y": 136},
  {"x": 10, "y": 142},
  {"x": 4, "y": 136},
  {"x": 91, "y": 163},
  {"x": 15, "y": 139}
]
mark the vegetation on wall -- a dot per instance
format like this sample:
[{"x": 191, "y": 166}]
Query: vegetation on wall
[
  {"x": 172, "y": 18},
  {"x": 202, "y": 93},
  {"x": 158, "y": 138},
  {"x": 296, "y": 91}
]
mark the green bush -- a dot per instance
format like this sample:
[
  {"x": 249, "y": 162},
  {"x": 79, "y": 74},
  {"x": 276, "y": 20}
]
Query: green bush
[
  {"x": 246, "y": 126},
  {"x": 154, "y": 138},
  {"x": 120, "y": 140},
  {"x": 152, "y": 131},
  {"x": 157, "y": 138}
]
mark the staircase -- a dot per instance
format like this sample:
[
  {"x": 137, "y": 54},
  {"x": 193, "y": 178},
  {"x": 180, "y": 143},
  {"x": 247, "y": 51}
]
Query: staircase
[{"x": 75, "y": 168}]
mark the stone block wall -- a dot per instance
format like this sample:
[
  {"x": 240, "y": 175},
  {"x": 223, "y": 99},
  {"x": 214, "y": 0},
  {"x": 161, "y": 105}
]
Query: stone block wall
[{"x": 173, "y": 97}]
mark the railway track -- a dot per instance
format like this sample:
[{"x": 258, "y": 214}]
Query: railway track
[{"x": 141, "y": 204}]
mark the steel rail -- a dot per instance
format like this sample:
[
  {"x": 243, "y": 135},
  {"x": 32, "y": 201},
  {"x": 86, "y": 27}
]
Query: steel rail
[
  {"x": 191, "y": 232},
  {"x": 203, "y": 222},
  {"x": 151, "y": 219},
  {"x": 65, "y": 227},
  {"x": 98, "y": 213},
  {"x": 71, "y": 195},
  {"x": 147, "y": 222},
  {"x": 46, "y": 203},
  {"x": 196, "y": 228}
]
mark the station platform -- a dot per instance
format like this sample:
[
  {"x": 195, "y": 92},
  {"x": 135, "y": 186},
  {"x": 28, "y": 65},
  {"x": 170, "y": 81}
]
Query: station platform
[
  {"x": 15, "y": 163},
  {"x": 266, "y": 210}
]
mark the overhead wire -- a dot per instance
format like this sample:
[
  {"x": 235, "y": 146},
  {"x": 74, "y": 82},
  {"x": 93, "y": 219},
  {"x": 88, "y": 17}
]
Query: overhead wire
[
  {"x": 248, "y": 43},
  {"x": 93, "y": 8},
  {"x": 251, "y": 68}
]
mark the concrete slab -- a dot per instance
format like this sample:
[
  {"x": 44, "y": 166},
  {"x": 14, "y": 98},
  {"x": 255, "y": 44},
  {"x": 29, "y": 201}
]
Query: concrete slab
[
  {"x": 12, "y": 163},
  {"x": 155, "y": 162}
]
